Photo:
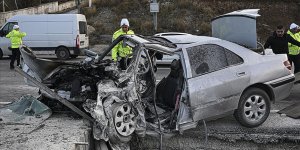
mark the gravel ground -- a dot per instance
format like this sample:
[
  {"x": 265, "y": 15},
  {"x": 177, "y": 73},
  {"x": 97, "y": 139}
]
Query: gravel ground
[{"x": 12, "y": 85}]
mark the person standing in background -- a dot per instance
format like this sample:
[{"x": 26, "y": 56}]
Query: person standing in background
[
  {"x": 279, "y": 40},
  {"x": 15, "y": 37},
  {"x": 124, "y": 53},
  {"x": 293, "y": 54}
]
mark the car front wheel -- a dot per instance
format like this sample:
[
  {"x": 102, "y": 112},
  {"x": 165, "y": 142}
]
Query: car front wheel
[{"x": 253, "y": 108}]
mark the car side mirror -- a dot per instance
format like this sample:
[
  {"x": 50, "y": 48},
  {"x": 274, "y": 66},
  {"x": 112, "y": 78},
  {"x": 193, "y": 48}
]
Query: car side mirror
[{"x": 1, "y": 33}]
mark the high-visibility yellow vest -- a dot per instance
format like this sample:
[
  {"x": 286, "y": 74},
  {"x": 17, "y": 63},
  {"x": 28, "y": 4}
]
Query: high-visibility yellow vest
[
  {"x": 119, "y": 50},
  {"x": 15, "y": 38},
  {"x": 293, "y": 49}
]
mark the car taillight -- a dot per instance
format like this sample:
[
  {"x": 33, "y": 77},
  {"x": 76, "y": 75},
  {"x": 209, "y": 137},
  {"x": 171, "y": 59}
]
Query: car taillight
[
  {"x": 287, "y": 64},
  {"x": 77, "y": 41}
]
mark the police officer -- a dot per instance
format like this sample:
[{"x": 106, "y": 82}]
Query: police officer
[
  {"x": 123, "y": 53},
  {"x": 293, "y": 54},
  {"x": 15, "y": 37}
]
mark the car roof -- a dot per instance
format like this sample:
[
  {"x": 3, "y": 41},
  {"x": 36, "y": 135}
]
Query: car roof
[
  {"x": 183, "y": 39},
  {"x": 188, "y": 38},
  {"x": 155, "y": 45}
]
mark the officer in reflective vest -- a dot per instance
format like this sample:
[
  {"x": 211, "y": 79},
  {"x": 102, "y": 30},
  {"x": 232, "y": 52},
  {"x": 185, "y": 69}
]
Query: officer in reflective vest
[
  {"x": 15, "y": 37},
  {"x": 120, "y": 52},
  {"x": 294, "y": 50}
]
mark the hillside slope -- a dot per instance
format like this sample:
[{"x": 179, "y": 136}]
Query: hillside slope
[{"x": 185, "y": 15}]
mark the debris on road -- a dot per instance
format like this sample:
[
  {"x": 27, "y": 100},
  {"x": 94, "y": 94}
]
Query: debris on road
[
  {"x": 28, "y": 110},
  {"x": 292, "y": 111}
]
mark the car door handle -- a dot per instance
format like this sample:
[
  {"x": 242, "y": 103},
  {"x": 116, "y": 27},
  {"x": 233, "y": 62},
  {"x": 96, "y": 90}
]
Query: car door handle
[{"x": 239, "y": 74}]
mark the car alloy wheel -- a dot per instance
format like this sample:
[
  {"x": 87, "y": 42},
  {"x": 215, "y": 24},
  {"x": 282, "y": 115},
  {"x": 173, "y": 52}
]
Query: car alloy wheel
[
  {"x": 254, "y": 108},
  {"x": 124, "y": 120}
]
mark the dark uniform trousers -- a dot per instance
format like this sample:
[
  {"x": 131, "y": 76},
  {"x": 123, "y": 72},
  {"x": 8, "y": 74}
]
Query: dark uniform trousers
[{"x": 15, "y": 55}]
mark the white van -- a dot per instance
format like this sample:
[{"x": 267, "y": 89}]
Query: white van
[{"x": 62, "y": 34}]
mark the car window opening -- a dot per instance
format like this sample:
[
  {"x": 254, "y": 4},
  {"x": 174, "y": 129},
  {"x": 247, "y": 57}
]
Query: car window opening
[{"x": 168, "y": 94}]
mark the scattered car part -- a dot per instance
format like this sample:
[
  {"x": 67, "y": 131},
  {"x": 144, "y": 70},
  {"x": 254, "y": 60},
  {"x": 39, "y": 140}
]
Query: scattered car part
[{"x": 49, "y": 91}]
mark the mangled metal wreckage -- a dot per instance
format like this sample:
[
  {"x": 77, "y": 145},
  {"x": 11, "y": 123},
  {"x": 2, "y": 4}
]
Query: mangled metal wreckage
[
  {"x": 123, "y": 102},
  {"x": 120, "y": 102}
]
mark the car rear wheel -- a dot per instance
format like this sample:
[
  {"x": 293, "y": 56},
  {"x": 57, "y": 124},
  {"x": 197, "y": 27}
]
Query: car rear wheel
[
  {"x": 253, "y": 108},
  {"x": 62, "y": 53}
]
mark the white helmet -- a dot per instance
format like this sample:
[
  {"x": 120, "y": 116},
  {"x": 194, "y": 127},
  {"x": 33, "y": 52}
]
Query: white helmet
[
  {"x": 124, "y": 21},
  {"x": 293, "y": 25},
  {"x": 16, "y": 27}
]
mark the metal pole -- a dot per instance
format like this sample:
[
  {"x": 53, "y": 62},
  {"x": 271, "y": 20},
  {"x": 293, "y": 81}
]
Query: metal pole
[
  {"x": 155, "y": 18},
  {"x": 16, "y": 4},
  {"x": 90, "y": 3},
  {"x": 78, "y": 7}
]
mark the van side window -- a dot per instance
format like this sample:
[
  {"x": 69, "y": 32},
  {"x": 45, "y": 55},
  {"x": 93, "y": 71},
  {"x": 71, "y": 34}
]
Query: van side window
[
  {"x": 82, "y": 27},
  {"x": 7, "y": 28}
]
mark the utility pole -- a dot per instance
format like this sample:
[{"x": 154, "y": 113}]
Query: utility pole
[
  {"x": 154, "y": 8},
  {"x": 16, "y": 4},
  {"x": 78, "y": 7}
]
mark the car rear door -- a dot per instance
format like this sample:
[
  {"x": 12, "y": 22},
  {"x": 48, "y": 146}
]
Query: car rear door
[{"x": 216, "y": 78}]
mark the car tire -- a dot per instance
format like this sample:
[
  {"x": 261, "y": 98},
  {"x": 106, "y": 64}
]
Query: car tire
[
  {"x": 253, "y": 108},
  {"x": 1, "y": 54},
  {"x": 62, "y": 53}
]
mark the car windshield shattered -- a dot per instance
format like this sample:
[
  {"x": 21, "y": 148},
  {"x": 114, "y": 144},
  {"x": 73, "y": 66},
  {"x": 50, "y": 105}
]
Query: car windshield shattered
[{"x": 119, "y": 102}]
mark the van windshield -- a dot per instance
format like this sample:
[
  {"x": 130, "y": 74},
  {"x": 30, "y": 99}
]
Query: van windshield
[
  {"x": 82, "y": 27},
  {"x": 8, "y": 27}
]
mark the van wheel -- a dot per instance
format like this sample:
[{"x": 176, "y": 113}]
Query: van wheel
[
  {"x": 254, "y": 108},
  {"x": 1, "y": 54},
  {"x": 62, "y": 53}
]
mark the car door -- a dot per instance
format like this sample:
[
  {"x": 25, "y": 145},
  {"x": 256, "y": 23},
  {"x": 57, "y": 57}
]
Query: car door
[
  {"x": 5, "y": 42},
  {"x": 216, "y": 78}
]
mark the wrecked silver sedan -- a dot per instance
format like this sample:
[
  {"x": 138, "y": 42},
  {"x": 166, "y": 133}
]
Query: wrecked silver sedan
[{"x": 211, "y": 78}]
